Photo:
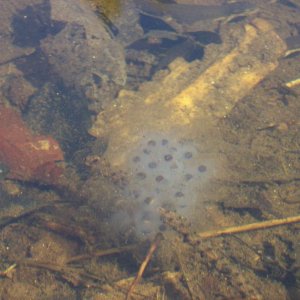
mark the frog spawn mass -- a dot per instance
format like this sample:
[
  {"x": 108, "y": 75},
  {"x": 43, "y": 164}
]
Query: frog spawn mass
[{"x": 164, "y": 172}]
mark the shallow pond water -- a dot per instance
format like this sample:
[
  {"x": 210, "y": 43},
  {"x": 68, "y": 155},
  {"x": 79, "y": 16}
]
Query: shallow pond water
[{"x": 149, "y": 149}]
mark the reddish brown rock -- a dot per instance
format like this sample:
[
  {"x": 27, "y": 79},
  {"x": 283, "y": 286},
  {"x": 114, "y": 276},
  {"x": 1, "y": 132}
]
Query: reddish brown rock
[{"x": 29, "y": 157}]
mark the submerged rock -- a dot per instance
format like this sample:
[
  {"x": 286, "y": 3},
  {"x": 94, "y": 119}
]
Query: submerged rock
[
  {"x": 83, "y": 53},
  {"x": 26, "y": 156},
  {"x": 62, "y": 41}
]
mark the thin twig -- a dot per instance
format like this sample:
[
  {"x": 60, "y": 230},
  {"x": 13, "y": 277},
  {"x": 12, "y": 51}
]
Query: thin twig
[
  {"x": 26, "y": 214},
  {"x": 73, "y": 276},
  {"x": 8, "y": 271},
  {"x": 186, "y": 276},
  {"x": 243, "y": 228},
  {"x": 99, "y": 253},
  {"x": 144, "y": 264}
]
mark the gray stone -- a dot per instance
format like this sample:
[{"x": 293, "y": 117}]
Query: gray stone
[{"x": 69, "y": 40}]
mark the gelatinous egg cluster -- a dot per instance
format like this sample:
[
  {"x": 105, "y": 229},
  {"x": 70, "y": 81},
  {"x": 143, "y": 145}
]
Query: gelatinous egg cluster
[{"x": 164, "y": 172}]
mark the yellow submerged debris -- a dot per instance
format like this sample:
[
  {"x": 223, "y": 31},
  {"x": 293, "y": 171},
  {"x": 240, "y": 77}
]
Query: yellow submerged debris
[
  {"x": 109, "y": 8},
  {"x": 293, "y": 83},
  {"x": 189, "y": 101}
]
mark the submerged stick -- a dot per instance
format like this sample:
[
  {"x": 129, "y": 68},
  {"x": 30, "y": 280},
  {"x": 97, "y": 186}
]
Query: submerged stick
[
  {"x": 26, "y": 214},
  {"x": 99, "y": 253},
  {"x": 144, "y": 264},
  {"x": 74, "y": 276},
  {"x": 8, "y": 271},
  {"x": 243, "y": 228},
  {"x": 293, "y": 83}
]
